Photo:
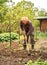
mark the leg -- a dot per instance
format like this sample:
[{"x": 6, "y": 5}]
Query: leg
[
  {"x": 32, "y": 40},
  {"x": 25, "y": 41},
  {"x": 27, "y": 38},
  {"x": 24, "y": 45},
  {"x": 29, "y": 53}
]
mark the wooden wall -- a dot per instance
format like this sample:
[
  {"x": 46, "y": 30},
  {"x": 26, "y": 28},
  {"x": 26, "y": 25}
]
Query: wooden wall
[{"x": 43, "y": 25}]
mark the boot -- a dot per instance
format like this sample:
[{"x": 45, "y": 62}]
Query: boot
[{"x": 29, "y": 53}]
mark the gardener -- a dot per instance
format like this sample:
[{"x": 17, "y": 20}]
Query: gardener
[{"x": 27, "y": 28}]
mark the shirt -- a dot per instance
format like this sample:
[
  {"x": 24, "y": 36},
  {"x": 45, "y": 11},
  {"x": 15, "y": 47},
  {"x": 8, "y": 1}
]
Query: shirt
[{"x": 27, "y": 27}]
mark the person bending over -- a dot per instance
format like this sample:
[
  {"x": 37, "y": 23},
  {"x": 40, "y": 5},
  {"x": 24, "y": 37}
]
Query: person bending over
[{"x": 28, "y": 29}]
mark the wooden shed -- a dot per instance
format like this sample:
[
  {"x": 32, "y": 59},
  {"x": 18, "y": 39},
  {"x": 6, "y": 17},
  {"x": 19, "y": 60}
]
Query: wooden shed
[{"x": 43, "y": 23}]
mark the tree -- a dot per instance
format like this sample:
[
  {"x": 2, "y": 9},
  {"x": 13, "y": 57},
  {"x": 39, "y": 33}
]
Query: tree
[
  {"x": 3, "y": 1},
  {"x": 42, "y": 12},
  {"x": 23, "y": 8},
  {"x": 45, "y": 13},
  {"x": 3, "y": 11}
]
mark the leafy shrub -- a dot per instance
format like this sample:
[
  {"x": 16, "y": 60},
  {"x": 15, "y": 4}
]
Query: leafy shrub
[{"x": 6, "y": 36}]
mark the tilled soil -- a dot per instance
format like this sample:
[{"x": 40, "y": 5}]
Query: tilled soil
[
  {"x": 17, "y": 56},
  {"x": 20, "y": 57}
]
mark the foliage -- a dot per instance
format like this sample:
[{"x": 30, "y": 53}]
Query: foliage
[
  {"x": 40, "y": 34},
  {"x": 42, "y": 12},
  {"x": 3, "y": 1},
  {"x": 23, "y": 8},
  {"x": 36, "y": 63},
  {"x": 3, "y": 12},
  {"x": 15, "y": 36},
  {"x": 6, "y": 36},
  {"x": 13, "y": 15}
]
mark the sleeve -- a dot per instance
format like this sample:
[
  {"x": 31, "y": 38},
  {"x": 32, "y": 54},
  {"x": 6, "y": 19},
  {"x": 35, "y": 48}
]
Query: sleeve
[
  {"x": 31, "y": 29},
  {"x": 21, "y": 25}
]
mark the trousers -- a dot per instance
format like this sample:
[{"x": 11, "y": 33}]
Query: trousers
[{"x": 32, "y": 42}]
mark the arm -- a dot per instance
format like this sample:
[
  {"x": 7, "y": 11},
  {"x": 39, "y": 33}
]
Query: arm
[
  {"x": 21, "y": 25},
  {"x": 31, "y": 29},
  {"x": 22, "y": 28}
]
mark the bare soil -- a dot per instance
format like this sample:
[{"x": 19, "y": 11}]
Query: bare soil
[{"x": 17, "y": 56}]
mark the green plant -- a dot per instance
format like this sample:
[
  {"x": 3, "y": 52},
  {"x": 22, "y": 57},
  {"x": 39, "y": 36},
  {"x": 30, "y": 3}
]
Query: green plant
[
  {"x": 36, "y": 63},
  {"x": 6, "y": 36},
  {"x": 40, "y": 34}
]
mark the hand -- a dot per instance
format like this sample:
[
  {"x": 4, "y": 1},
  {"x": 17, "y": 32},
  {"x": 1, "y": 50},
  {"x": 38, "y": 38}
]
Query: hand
[{"x": 25, "y": 37}]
